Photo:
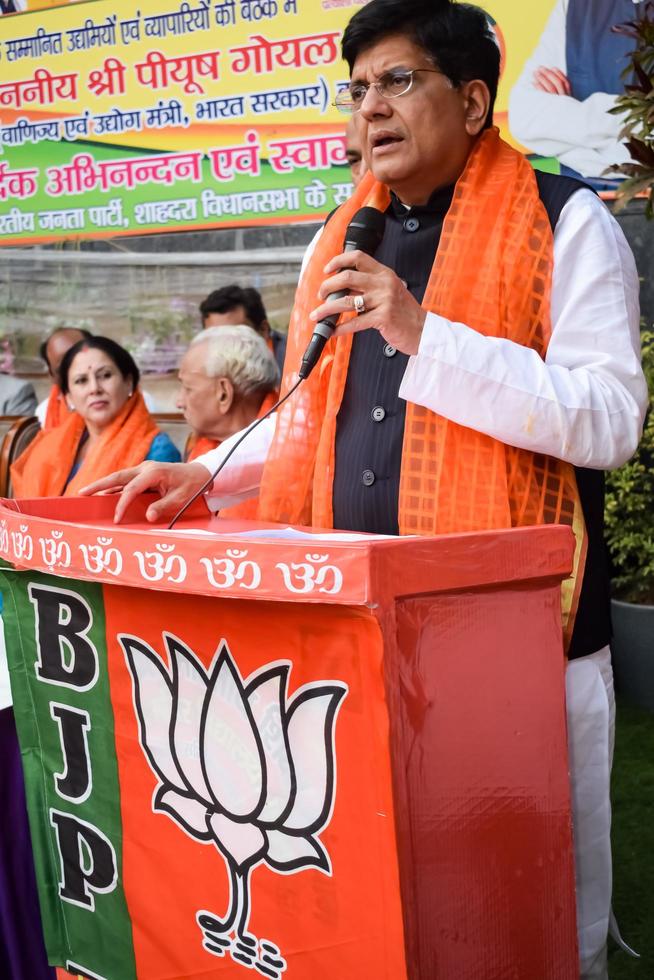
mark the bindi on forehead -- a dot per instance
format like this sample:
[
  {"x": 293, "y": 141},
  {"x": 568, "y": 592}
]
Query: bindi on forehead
[{"x": 85, "y": 362}]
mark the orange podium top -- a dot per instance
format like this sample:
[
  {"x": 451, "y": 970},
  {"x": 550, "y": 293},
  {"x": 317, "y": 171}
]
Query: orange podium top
[{"x": 206, "y": 555}]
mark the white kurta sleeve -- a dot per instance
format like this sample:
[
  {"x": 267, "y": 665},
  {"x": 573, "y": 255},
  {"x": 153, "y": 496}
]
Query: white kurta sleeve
[
  {"x": 241, "y": 477},
  {"x": 581, "y": 134},
  {"x": 585, "y": 402}
]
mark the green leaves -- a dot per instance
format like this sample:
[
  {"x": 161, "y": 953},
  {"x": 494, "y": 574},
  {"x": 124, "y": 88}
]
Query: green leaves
[
  {"x": 629, "y": 511},
  {"x": 636, "y": 106}
]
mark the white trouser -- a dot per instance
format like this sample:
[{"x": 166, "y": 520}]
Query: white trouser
[
  {"x": 591, "y": 728},
  {"x": 5, "y": 690}
]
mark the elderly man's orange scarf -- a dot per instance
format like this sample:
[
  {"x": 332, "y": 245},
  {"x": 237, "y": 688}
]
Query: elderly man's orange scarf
[
  {"x": 56, "y": 410},
  {"x": 493, "y": 272},
  {"x": 44, "y": 467},
  {"x": 247, "y": 510},
  {"x": 198, "y": 446}
]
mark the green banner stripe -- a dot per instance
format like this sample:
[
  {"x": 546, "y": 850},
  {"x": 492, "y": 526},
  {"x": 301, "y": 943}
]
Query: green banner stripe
[{"x": 65, "y": 726}]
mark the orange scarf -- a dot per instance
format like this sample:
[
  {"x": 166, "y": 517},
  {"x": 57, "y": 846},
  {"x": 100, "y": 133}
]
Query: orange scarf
[
  {"x": 492, "y": 271},
  {"x": 44, "y": 467},
  {"x": 57, "y": 410},
  {"x": 199, "y": 446}
]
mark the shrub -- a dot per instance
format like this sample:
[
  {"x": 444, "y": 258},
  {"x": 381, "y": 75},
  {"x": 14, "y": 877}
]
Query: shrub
[{"x": 630, "y": 507}]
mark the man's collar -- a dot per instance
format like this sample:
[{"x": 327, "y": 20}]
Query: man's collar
[{"x": 438, "y": 203}]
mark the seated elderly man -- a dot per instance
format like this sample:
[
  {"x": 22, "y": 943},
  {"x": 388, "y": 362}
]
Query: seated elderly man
[{"x": 228, "y": 377}]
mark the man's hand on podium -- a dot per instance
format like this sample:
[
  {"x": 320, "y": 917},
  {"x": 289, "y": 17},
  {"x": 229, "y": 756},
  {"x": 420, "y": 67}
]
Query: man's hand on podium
[{"x": 174, "y": 482}]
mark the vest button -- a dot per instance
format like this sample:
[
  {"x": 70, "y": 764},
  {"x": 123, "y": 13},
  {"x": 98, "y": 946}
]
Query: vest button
[
  {"x": 389, "y": 350},
  {"x": 411, "y": 224},
  {"x": 367, "y": 478},
  {"x": 378, "y": 413}
]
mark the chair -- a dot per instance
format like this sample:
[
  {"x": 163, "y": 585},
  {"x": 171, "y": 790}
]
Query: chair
[{"x": 16, "y": 432}]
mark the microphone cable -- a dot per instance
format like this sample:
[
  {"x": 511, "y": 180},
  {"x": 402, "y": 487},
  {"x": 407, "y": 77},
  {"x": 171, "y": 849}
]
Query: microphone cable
[{"x": 212, "y": 476}]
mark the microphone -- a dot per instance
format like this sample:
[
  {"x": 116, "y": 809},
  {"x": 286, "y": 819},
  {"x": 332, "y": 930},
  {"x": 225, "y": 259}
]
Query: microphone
[{"x": 364, "y": 232}]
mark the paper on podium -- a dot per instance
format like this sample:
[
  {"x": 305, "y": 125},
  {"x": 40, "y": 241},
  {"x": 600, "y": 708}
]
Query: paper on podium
[{"x": 294, "y": 534}]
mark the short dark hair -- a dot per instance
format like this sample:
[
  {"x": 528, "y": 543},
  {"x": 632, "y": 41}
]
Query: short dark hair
[
  {"x": 229, "y": 297},
  {"x": 121, "y": 358},
  {"x": 458, "y": 37},
  {"x": 43, "y": 349}
]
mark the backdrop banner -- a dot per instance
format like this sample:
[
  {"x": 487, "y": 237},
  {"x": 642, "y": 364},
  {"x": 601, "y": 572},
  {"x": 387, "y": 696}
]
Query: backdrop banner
[{"x": 116, "y": 119}]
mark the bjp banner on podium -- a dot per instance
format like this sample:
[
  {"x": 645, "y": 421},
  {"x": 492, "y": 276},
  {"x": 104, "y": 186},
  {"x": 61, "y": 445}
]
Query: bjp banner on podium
[{"x": 199, "y": 779}]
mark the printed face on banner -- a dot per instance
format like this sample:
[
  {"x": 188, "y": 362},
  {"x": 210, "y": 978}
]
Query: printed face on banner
[{"x": 241, "y": 766}]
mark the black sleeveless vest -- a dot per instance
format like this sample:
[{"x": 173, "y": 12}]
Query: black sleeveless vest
[{"x": 370, "y": 424}]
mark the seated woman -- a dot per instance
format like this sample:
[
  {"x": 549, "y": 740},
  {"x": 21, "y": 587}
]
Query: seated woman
[{"x": 109, "y": 427}]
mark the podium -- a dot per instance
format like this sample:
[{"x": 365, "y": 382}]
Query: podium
[{"x": 305, "y": 756}]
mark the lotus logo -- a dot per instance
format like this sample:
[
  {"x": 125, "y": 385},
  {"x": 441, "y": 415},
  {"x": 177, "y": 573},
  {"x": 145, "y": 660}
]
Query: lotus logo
[{"x": 240, "y": 765}]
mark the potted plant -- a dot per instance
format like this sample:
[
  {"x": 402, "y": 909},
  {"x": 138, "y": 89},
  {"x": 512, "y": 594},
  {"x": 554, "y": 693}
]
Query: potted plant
[
  {"x": 630, "y": 489},
  {"x": 630, "y": 538},
  {"x": 636, "y": 105}
]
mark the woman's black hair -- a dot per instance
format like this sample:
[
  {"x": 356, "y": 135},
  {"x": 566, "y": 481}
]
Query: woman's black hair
[
  {"x": 121, "y": 358},
  {"x": 457, "y": 37}
]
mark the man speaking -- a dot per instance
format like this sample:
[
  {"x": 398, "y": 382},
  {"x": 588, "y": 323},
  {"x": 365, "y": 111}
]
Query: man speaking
[{"x": 485, "y": 373}]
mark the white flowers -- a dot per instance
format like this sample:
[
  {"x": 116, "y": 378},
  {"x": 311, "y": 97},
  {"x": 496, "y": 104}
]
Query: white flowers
[{"x": 239, "y": 763}]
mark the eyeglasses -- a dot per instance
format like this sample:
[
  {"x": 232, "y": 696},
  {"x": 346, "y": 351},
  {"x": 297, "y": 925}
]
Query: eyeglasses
[{"x": 390, "y": 85}]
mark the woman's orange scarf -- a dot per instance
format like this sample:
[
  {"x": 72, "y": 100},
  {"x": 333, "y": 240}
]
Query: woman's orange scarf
[
  {"x": 44, "y": 467},
  {"x": 492, "y": 271}
]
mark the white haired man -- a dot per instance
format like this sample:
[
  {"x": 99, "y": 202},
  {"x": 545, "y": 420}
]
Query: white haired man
[{"x": 228, "y": 377}]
